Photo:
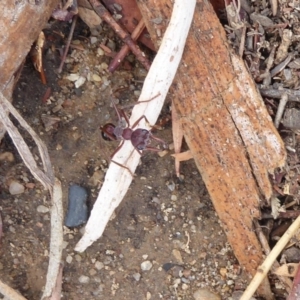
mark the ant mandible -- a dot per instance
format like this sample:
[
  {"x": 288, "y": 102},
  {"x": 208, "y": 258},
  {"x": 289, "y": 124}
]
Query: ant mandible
[{"x": 140, "y": 137}]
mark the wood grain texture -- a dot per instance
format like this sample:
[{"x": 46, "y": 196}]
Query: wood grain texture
[
  {"x": 226, "y": 126},
  {"x": 20, "y": 24}
]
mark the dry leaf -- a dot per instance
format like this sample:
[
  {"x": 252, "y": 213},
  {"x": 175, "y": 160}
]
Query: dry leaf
[
  {"x": 36, "y": 53},
  {"x": 276, "y": 207},
  {"x": 288, "y": 270}
]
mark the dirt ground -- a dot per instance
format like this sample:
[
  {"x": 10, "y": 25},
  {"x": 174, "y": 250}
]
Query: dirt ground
[{"x": 162, "y": 220}]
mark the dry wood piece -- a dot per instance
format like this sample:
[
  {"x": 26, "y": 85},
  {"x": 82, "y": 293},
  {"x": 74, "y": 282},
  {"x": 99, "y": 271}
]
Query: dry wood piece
[
  {"x": 227, "y": 128},
  {"x": 20, "y": 26},
  {"x": 105, "y": 15},
  {"x": 125, "y": 49}
]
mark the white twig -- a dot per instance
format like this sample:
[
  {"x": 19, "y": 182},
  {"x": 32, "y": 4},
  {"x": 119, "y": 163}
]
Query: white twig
[
  {"x": 281, "y": 107},
  {"x": 158, "y": 81},
  {"x": 56, "y": 241},
  {"x": 267, "y": 264}
]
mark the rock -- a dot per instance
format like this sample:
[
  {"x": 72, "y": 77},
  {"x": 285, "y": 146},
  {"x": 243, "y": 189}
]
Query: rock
[
  {"x": 204, "y": 294},
  {"x": 7, "y": 156},
  {"x": 137, "y": 276},
  {"x": 77, "y": 210},
  {"x": 16, "y": 188},
  {"x": 292, "y": 254},
  {"x": 42, "y": 209},
  {"x": 146, "y": 265},
  {"x": 84, "y": 279},
  {"x": 99, "y": 265},
  {"x": 69, "y": 259},
  {"x": 176, "y": 253}
]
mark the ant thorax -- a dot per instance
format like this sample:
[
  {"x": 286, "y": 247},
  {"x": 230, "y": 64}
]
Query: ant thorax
[{"x": 122, "y": 123}]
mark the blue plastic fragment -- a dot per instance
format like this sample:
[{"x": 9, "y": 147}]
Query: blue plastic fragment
[{"x": 77, "y": 209}]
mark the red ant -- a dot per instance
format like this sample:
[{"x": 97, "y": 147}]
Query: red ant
[{"x": 140, "y": 138}]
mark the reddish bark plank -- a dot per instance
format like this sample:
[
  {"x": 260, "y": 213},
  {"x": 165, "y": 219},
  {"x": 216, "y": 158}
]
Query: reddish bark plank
[
  {"x": 20, "y": 24},
  {"x": 226, "y": 125}
]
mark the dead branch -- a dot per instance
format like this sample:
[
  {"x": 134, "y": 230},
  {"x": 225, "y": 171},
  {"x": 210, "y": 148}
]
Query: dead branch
[
  {"x": 125, "y": 49},
  {"x": 126, "y": 38}
]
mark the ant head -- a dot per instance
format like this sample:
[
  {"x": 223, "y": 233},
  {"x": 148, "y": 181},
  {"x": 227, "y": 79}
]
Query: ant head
[{"x": 107, "y": 132}]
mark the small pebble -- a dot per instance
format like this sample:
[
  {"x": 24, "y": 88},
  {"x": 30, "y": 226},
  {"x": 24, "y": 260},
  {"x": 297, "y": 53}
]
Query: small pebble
[
  {"x": 137, "y": 276},
  {"x": 77, "y": 209},
  {"x": 12, "y": 229},
  {"x": 42, "y": 209},
  {"x": 176, "y": 253},
  {"x": 78, "y": 258},
  {"x": 99, "y": 265},
  {"x": 202, "y": 294},
  {"x": 171, "y": 186},
  {"x": 69, "y": 259},
  {"x": 80, "y": 81},
  {"x": 92, "y": 272},
  {"x": 73, "y": 77},
  {"x": 16, "y": 188},
  {"x": 146, "y": 265},
  {"x": 173, "y": 197},
  {"x": 7, "y": 156},
  {"x": 84, "y": 279},
  {"x": 96, "y": 78},
  {"x": 100, "y": 52},
  {"x": 93, "y": 40}
]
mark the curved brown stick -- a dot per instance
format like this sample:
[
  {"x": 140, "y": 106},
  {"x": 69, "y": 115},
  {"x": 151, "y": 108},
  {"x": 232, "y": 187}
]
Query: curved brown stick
[
  {"x": 125, "y": 49},
  {"x": 106, "y": 16}
]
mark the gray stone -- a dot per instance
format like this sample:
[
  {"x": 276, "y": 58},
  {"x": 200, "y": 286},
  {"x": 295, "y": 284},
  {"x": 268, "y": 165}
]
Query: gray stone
[
  {"x": 16, "y": 188},
  {"x": 77, "y": 209}
]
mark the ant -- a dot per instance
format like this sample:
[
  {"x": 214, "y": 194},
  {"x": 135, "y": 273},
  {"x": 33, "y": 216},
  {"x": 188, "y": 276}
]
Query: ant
[{"x": 139, "y": 137}]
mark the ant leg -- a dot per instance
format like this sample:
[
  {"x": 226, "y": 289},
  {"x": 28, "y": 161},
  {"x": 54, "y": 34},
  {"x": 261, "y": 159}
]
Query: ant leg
[
  {"x": 160, "y": 140},
  {"x": 139, "y": 120},
  {"x": 119, "y": 147},
  {"x": 143, "y": 101},
  {"x": 121, "y": 113}
]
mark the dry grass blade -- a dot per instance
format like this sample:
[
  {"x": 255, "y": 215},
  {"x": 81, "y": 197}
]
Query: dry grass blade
[
  {"x": 47, "y": 178},
  {"x": 56, "y": 242},
  {"x": 267, "y": 264}
]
